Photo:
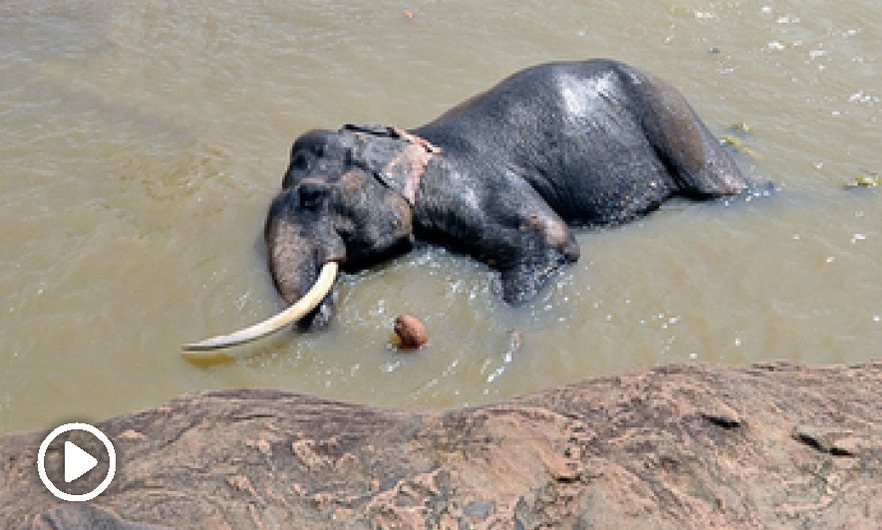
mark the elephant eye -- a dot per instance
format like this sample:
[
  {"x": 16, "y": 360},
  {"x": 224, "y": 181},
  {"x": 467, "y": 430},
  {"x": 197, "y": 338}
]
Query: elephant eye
[
  {"x": 299, "y": 161},
  {"x": 311, "y": 194}
]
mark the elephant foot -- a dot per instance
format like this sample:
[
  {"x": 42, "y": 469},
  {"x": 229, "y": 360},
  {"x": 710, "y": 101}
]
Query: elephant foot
[{"x": 522, "y": 283}]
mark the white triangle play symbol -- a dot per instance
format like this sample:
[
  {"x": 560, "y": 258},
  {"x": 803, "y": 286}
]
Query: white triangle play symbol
[{"x": 76, "y": 462}]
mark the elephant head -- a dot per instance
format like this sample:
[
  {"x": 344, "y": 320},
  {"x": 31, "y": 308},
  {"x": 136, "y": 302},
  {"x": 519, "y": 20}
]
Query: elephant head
[{"x": 346, "y": 201}]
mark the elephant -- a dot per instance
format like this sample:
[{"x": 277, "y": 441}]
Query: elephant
[{"x": 502, "y": 177}]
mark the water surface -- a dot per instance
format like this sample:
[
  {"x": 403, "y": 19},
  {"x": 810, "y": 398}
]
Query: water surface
[{"x": 141, "y": 143}]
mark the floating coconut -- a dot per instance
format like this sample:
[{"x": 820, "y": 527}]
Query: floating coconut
[{"x": 410, "y": 331}]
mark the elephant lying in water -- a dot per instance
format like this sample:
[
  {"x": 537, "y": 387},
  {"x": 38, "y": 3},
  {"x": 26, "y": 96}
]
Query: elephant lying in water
[{"x": 500, "y": 177}]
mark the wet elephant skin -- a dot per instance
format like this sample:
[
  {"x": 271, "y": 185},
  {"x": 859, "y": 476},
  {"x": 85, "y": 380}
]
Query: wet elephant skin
[{"x": 501, "y": 177}]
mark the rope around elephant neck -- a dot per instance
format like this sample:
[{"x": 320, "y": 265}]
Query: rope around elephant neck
[
  {"x": 418, "y": 155},
  {"x": 422, "y": 158}
]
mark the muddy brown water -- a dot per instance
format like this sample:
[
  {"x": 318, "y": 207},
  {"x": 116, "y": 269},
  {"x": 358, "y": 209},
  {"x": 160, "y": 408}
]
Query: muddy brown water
[{"x": 141, "y": 143}]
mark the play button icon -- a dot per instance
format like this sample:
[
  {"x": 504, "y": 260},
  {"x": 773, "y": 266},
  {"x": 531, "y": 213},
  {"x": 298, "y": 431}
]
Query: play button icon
[
  {"x": 84, "y": 449},
  {"x": 76, "y": 462}
]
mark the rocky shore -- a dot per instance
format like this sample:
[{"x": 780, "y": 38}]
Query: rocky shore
[{"x": 766, "y": 446}]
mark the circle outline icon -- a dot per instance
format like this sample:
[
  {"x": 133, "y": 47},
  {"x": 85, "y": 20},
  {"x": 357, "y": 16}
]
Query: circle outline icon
[{"x": 41, "y": 461}]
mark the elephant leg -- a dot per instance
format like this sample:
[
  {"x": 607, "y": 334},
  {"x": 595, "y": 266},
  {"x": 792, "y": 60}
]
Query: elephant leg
[
  {"x": 695, "y": 158},
  {"x": 497, "y": 218},
  {"x": 533, "y": 241},
  {"x": 522, "y": 282}
]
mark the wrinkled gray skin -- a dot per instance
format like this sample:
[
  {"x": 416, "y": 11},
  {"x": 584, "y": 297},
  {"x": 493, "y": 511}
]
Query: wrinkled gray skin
[{"x": 592, "y": 143}]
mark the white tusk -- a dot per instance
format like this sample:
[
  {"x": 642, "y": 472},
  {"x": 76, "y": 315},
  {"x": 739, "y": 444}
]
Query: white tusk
[{"x": 298, "y": 310}]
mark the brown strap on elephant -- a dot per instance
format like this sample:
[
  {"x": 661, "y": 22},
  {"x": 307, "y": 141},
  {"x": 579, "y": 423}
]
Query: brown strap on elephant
[{"x": 403, "y": 170}]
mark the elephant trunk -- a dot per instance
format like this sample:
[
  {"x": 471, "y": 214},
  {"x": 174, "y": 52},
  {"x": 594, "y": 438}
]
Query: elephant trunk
[
  {"x": 296, "y": 258},
  {"x": 304, "y": 261}
]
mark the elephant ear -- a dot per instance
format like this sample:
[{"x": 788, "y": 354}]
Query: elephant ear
[{"x": 396, "y": 157}]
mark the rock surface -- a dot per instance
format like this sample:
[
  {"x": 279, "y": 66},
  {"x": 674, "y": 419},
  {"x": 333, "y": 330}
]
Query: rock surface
[{"x": 766, "y": 446}]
